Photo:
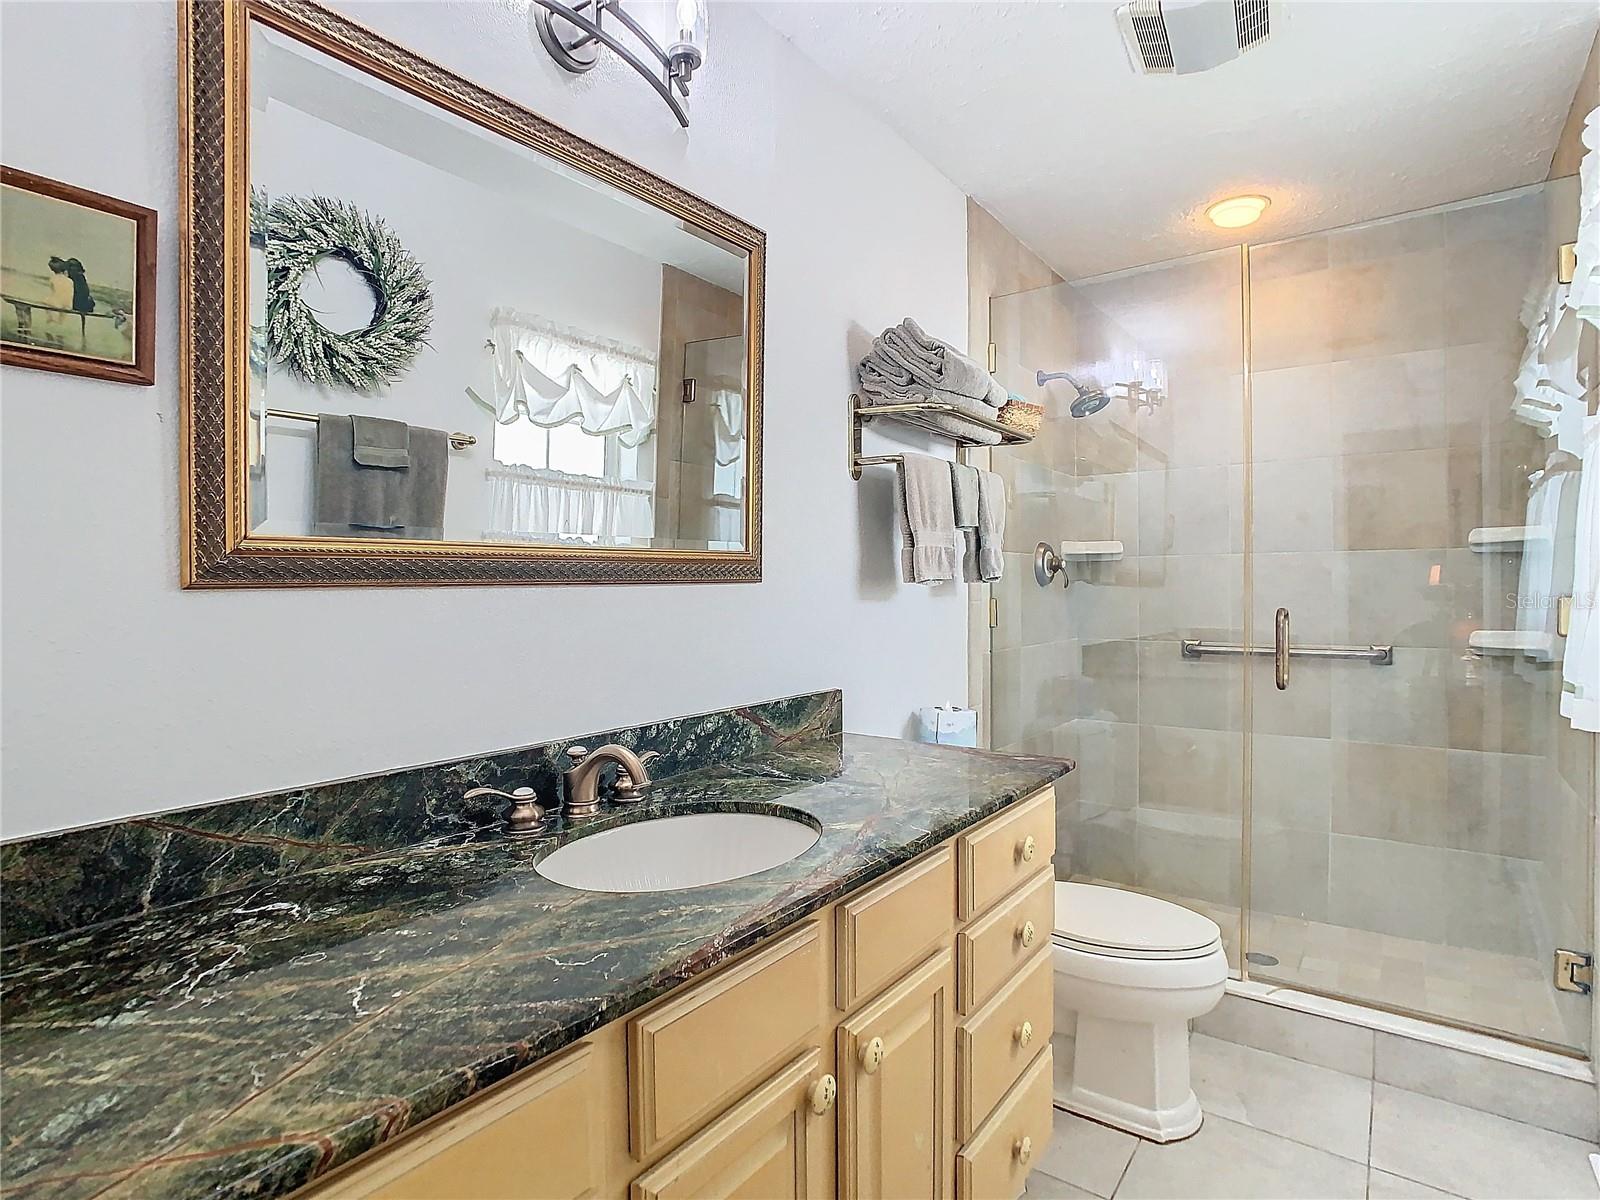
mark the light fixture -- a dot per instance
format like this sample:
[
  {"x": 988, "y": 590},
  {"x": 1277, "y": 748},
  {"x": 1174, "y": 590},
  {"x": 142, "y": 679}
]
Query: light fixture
[
  {"x": 1237, "y": 211},
  {"x": 574, "y": 34}
]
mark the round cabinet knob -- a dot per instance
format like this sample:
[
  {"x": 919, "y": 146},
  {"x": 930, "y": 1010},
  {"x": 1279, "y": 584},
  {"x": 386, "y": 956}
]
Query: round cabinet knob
[
  {"x": 1027, "y": 849},
  {"x": 823, "y": 1093},
  {"x": 1023, "y": 1149},
  {"x": 1025, "y": 1033},
  {"x": 1027, "y": 933},
  {"x": 872, "y": 1055}
]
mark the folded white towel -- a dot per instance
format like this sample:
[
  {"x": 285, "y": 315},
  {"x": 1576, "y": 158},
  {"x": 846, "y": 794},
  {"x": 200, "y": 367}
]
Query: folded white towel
[
  {"x": 879, "y": 386},
  {"x": 908, "y": 356},
  {"x": 927, "y": 520},
  {"x": 991, "y": 526}
]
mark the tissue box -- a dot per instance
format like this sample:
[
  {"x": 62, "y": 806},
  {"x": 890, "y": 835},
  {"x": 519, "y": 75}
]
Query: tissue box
[{"x": 948, "y": 725}]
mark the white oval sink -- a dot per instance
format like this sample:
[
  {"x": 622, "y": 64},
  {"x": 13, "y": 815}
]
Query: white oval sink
[{"x": 668, "y": 854}]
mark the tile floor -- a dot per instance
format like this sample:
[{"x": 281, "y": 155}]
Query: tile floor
[
  {"x": 1280, "y": 1129},
  {"x": 1498, "y": 992}
]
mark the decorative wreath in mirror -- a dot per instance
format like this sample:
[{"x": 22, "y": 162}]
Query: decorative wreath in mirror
[{"x": 296, "y": 233}]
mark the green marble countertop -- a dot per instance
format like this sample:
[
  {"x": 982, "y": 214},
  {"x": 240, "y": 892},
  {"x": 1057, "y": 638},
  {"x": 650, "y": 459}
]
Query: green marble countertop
[{"x": 243, "y": 1044}]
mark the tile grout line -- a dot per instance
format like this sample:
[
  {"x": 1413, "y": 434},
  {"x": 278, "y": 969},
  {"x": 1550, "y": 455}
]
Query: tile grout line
[{"x": 1117, "y": 1187}]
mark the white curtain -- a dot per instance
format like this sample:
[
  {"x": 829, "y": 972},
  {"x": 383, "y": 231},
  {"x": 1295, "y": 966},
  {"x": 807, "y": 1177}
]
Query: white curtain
[
  {"x": 551, "y": 374},
  {"x": 727, "y": 427},
  {"x": 536, "y": 504}
]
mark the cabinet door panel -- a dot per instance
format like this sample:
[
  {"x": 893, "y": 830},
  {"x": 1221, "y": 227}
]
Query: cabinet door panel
[
  {"x": 889, "y": 927},
  {"x": 499, "y": 1148},
  {"x": 694, "y": 1054},
  {"x": 895, "y": 1089},
  {"x": 770, "y": 1146}
]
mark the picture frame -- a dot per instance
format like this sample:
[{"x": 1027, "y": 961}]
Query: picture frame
[{"x": 77, "y": 280}]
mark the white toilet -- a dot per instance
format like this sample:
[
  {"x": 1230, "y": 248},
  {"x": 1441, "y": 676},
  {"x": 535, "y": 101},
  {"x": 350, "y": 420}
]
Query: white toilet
[{"x": 1135, "y": 971}]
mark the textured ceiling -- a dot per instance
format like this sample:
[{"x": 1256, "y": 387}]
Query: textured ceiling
[{"x": 1354, "y": 110}]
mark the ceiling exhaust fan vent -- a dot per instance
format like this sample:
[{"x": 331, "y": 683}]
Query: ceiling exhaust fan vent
[{"x": 1181, "y": 37}]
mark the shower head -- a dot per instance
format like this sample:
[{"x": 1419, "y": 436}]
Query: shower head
[{"x": 1089, "y": 400}]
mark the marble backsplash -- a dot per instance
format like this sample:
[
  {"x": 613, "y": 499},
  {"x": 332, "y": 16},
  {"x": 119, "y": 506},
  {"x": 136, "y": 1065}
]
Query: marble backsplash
[{"x": 65, "y": 881}]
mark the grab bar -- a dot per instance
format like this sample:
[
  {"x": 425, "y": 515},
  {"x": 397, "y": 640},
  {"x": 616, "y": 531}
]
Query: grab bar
[{"x": 1378, "y": 656}]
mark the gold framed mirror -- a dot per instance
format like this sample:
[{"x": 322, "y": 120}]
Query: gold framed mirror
[{"x": 429, "y": 337}]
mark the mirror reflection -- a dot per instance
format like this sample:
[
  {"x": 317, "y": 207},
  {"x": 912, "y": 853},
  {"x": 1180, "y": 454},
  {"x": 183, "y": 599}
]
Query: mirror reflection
[{"x": 455, "y": 337}]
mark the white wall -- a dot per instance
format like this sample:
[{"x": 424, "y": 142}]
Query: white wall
[
  {"x": 480, "y": 253},
  {"x": 123, "y": 694}
]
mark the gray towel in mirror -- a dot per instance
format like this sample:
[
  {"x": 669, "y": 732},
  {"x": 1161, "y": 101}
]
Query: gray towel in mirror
[
  {"x": 380, "y": 442},
  {"x": 355, "y": 499}
]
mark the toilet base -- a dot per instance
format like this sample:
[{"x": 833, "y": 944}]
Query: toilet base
[
  {"x": 1132, "y": 1075},
  {"x": 1154, "y": 1125}
]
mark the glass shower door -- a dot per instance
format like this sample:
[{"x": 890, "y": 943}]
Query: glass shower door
[
  {"x": 1419, "y": 825},
  {"x": 1144, "y": 499}
]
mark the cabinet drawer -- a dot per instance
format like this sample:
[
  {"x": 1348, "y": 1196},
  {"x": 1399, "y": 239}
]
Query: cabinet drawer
[
  {"x": 996, "y": 944},
  {"x": 773, "y": 1143},
  {"x": 1003, "y": 851},
  {"x": 694, "y": 1054},
  {"x": 894, "y": 924},
  {"x": 499, "y": 1147},
  {"x": 1000, "y": 1040},
  {"x": 994, "y": 1165}
]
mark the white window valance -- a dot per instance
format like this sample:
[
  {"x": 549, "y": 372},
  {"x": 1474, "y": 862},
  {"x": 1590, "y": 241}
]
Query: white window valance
[{"x": 552, "y": 374}]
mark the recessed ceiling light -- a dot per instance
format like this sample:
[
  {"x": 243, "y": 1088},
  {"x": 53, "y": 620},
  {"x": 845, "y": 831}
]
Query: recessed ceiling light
[{"x": 1237, "y": 211}]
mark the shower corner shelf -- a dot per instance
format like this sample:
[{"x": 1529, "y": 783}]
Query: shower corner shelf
[
  {"x": 1513, "y": 641},
  {"x": 1091, "y": 551},
  {"x": 919, "y": 413}
]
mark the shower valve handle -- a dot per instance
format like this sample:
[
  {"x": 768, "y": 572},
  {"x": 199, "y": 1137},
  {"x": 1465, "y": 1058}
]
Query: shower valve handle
[{"x": 1047, "y": 565}]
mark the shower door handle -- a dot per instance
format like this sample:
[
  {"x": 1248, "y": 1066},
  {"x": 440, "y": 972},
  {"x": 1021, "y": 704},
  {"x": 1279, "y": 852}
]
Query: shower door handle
[{"x": 1280, "y": 650}]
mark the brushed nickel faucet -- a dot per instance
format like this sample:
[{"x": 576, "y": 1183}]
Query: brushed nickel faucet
[
  {"x": 582, "y": 778},
  {"x": 526, "y": 814}
]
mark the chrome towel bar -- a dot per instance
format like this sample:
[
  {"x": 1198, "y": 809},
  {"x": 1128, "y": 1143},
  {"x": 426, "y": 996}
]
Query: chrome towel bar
[{"x": 1378, "y": 656}]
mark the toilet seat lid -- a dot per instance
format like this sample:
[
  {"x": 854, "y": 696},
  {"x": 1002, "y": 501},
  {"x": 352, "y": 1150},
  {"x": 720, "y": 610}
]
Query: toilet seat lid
[{"x": 1108, "y": 920}]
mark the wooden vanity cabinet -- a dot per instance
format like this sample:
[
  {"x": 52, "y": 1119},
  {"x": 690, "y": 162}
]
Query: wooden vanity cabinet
[{"x": 894, "y": 1045}]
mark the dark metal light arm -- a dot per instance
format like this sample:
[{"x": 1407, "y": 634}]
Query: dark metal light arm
[{"x": 668, "y": 72}]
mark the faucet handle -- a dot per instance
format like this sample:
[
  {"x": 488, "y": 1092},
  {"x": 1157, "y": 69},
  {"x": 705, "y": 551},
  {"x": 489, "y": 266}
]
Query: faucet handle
[
  {"x": 625, "y": 790},
  {"x": 525, "y": 815}
]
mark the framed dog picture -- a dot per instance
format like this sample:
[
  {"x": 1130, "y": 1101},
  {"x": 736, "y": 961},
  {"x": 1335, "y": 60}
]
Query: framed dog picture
[{"x": 77, "y": 280}]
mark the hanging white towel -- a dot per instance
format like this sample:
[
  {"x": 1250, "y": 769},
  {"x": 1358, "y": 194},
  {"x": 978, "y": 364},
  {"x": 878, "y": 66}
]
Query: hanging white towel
[
  {"x": 927, "y": 520},
  {"x": 1547, "y": 556},
  {"x": 1584, "y": 298},
  {"x": 1580, "y": 671}
]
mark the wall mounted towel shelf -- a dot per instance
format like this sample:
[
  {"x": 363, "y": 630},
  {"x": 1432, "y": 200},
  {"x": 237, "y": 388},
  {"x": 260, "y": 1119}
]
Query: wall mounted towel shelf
[
  {"x": 458, "y": 441},
  {"x": 919, "y": 413}
]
